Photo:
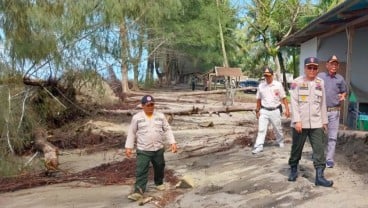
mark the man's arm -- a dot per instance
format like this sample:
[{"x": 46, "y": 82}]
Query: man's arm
[
  {"x": 324, "y": 106},
  {"x": 343, "y": 90},
  {"x": 129, "y": 143},
  {"x": 286, "y": 104},
  {"x": 284, "y": 101},
  {"x": 294, "y": 104},
  {"x": 167, "y": 129},
  {"x": 258, "y": 107}
]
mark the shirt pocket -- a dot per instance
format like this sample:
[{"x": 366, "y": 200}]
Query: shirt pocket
[
  {"x": 318, "y": 96},
  {"x": 158, "y": 127},
  {"x": 142, "y": 128},
  {"x": 339, "y": 85},
  {"x": 303, "y": 96}
]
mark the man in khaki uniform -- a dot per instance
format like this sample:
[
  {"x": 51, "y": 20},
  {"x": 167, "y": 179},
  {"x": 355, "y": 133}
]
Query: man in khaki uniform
[
  {"x": 148, "y": 130},
  {"x": 309, "y": 119}
]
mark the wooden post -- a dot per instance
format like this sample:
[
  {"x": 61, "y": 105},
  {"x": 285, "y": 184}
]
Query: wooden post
[{"x": 349, "y": 34}]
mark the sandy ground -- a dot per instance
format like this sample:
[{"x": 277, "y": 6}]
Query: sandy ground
[{"x": 224, "y": 174}]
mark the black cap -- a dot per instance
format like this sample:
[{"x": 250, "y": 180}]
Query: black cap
[
  {"x": 311, "y": 61},
  {"x": 332, "y": 59},
  {"x": 147, "y": 99},
  {"x": 267, "y": 71}
]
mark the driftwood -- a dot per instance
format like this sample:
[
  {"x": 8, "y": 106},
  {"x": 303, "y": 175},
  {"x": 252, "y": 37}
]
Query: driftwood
[
  {"x": 145, "y": 200},
  {"x": 206, "y": 124},
  {"x": 172, "y": 99},
  {"x": 39, "y": 82},
  {"x": 50, "y": 152},
  {"x": 192, "y": 110},
  {"x": 178, "y": 95},
  {"x": 353, "y": 134},
  {"x": 207, "y": 92}
]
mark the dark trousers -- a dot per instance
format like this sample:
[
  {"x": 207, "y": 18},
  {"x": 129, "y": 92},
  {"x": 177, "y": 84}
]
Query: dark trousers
[
  {"x": 317, "y": 139},
  {"x": 143, "y": 161}
]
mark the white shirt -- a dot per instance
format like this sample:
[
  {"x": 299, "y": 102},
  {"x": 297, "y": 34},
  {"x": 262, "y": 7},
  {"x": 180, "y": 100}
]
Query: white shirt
[{"x": 270, "y": 94}]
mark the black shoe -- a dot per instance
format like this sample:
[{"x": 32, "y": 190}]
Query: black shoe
[
  {"x": 293, "y": 173},
  {"x": 329, "y": 164},
  {"x": 320, "y": 178}
]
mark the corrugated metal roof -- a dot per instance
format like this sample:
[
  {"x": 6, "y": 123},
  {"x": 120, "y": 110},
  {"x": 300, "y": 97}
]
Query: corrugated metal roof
[{"x": 351, "y": 13}]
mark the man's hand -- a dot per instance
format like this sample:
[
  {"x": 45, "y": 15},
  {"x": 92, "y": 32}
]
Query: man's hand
[
  {"x": 325, "y": 128},
  {"x": 174, "y": 148},
  {"x": 298, "y": 127},
  {"x": 257, "y": 114},
  {"x": 342, "y": 96},
  {"x": 128, "y": 152},
  {"x": 287, "y": 113}
]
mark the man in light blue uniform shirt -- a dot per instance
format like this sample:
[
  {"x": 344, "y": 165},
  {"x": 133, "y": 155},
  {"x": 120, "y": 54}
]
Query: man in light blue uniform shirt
[{"x": 335, "y": 87}]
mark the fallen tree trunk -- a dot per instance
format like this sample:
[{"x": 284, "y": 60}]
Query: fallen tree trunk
[
  {"x": 353, "y": 134},
  {"x": 159, "y": 98},
  {"x": 192, "y": 110},
  {"x": 183, "y": 94},
  {"x": 50, "y": 152}
]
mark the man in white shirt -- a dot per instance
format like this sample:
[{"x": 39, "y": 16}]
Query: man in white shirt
[{"x": 270, "y": 95}]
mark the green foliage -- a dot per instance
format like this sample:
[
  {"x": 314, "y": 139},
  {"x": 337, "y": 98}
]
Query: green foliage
[
  {"x": 27, "y": 29},
  {"x": 267, "y": 22},
  {"x": 9, "y": 166},
  {"x": 79, "y": 79},
  {"x": 148, "y": 84},
  {"x": 15, "y": 122},
  {"x": 195, "y": 31}
]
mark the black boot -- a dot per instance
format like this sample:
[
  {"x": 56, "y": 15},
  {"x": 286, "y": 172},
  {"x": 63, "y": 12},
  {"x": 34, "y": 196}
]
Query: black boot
[
  {"x": 320, "y": 178},
  {"x": 293, "y": 173}
]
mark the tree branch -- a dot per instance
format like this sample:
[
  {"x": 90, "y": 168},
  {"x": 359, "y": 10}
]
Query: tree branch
[{"x": 23, "y": 109}]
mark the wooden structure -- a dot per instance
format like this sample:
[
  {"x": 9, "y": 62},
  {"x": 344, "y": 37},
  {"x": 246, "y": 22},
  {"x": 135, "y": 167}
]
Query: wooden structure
[{"x": 227, "y": 72}]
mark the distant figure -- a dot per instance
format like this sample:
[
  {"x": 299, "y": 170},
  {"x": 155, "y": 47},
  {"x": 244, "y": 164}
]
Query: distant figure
[
  {"x": 148, "y": 129},
  {"x": 206, "y": 84},
  {"x": 193, "y": 83},
  {"x": 335, "y": 94},
  {"x": 232, "y": 91}
]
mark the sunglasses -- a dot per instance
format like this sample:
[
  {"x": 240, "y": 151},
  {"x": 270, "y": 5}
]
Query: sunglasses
[
  {"x": 334, "y": 63},
  {"x": 149, "y": 105},
  {"x": 314, "y": 68}
]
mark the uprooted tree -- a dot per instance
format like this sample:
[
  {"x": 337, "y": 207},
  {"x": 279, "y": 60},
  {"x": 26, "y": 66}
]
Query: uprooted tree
[{"x": 30, "y": 107}]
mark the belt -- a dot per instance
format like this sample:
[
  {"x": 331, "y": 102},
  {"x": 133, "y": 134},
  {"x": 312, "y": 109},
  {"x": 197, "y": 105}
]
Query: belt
[
  {"x": 336, "y": 108},
  {"x": 270, "y": 109}
]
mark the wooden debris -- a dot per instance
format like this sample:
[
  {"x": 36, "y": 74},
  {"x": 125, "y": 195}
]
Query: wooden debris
[
  {"x": 185, "y": 182},
  {"x": 193, "y": 110},
  {"x": 206, "y": 124},
  {"x": 145, "y": 200},
  {"x": 50, "y": 152}
]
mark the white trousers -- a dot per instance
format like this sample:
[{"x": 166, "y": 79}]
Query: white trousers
[{"x": 266, "y": 117}]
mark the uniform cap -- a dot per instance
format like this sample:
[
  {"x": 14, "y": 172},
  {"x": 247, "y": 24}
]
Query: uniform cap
[
  {"x": 267, "y": 71},
  {"x": 333, "y": 58},
  {"x": 147, "y": 99},
  {"x": 311, "y": 61}
]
